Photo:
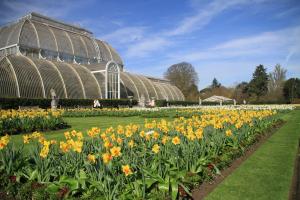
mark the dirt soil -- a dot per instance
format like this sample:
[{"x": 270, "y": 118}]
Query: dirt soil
[{"x": 207, "y": 187}]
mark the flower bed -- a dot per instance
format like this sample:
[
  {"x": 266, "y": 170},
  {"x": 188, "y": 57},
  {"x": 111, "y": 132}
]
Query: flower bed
[
  {"x": 23, "y": 121},
  {"x": 159, "y": 160}
]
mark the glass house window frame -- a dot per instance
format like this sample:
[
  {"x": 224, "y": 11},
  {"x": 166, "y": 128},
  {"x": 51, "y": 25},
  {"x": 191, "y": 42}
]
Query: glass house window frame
[
  {"x": 112, "y": 81},
  {"x": 65, "y": 57},
  {"x": 49, "y": 54},
  {"x": 29, "y": 51},
  {"x": 81, "y": 60}
]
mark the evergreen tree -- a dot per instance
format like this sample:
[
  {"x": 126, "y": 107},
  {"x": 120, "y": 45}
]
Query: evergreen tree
[
  {"x": 215, "y": 83},
  {"x": 291, "y": 89},
  {"x": 258, "y": 86}
]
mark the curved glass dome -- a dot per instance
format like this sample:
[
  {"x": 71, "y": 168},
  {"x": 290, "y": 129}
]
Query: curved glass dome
[
  {"x": 38, "y": 54},
  {"x": 36, "y": 34}
]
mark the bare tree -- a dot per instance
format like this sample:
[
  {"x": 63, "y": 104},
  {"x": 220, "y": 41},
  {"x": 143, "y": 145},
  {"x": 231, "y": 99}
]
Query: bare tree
[
  {"x": 276, "y": 79},
  {"x": 184, "y": 76}
]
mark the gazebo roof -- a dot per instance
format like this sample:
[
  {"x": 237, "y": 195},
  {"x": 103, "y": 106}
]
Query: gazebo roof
[{"x": 217, "y": 99}]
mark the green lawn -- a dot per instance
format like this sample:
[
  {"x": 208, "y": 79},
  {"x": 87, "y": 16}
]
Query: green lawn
[
  {"x": 267, "y": 174},
  {"x": 83, "y": 124}
]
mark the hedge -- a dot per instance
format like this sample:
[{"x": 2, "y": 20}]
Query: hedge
[
  {"x": 14, "y": 103},
  {"x": 295, "y": 101},
  {"x": 261, "y": 102},
  {"x": 164, "y": 103}
]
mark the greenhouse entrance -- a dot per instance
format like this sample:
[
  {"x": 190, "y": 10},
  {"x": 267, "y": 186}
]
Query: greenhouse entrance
[{"x": 112, "y": 83}]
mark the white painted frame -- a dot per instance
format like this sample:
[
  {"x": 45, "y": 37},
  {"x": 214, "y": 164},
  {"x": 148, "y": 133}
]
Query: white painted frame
[{"x": 106, "y": 78}]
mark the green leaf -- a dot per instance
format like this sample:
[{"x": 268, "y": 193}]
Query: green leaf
[
  {"x": 149, "y": 182},
  {"x": 52, "y": 188},
  {"x": 72, "y": 183},
  {"x": 217, "y": 170},
  {"x": 82, "y": 174},
  {"x": 185, "y": 189},
  {"x": 174, "y": 187},
  {"x": 163, "y": 187},
  {"x": 33, "y": 175}
]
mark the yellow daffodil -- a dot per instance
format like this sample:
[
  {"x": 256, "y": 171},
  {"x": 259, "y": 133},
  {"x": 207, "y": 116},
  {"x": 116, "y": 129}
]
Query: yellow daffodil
[
  {"x": 126, "y": 170},
  {"x": 26, "y": 139},
  {"x": 131, "y": 143},
  {"x": 115, "y": 151},
  {"x": 165, "y": 139},
  {"x": 4, "y": 141},
  {"x": 176, "y": 140},
  {"x": 106, "y": 157},
  {"x": 91, "y": 158},
  {"x": 156, "y": 148},
  {"x": 228, "y": 133}
]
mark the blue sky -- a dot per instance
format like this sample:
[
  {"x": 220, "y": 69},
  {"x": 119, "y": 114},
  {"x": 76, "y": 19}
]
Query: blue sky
[{"x": 225, "y": 39}]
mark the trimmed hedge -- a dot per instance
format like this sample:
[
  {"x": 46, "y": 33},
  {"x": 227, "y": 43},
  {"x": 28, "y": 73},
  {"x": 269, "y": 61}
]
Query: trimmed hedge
[
  {"x": 295, "y": 101},
  {"x": 164, "y": 103},
  {"x": 261, "y": 102},
  {"x": 14, "y": 103}
]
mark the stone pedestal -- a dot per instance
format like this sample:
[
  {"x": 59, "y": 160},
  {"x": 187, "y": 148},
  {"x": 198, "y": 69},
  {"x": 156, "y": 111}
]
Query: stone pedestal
[
  {"x": 53, "y": 104},
  {"x": 142, "y": 100}
]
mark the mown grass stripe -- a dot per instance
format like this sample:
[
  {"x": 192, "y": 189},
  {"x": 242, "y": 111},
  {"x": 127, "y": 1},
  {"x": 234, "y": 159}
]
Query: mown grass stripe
[{"x": 267, "y": 174}]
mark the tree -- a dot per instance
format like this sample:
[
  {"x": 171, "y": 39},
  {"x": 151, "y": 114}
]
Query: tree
[
  {"x": 184, "y": 76},
  {"x": 219, "y": 91},
  {"x": 215, "y": 83},
  {"x": 240, "y": 92},
  {"x": 291, "y": 89},
  {"x": 258, "y": 86},
  {"x": 276, "y": 82},
  {"x": 277, "y": 78}
]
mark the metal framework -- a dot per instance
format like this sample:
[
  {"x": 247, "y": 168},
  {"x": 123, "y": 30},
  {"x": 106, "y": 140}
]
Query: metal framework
[
  {"x": 38, "y": 54},
  {"x": 112, "y": 81}
]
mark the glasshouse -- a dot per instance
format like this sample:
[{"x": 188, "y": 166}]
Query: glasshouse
[{"x": 39, "y": 55}]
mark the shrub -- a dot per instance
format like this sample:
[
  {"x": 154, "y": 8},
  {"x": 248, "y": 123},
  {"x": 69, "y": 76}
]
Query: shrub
[
  {"x": 296, "y": 101},
  {"x": 23, "y": 121},
  {"x": 262, "y": 102},
  {"x": 14, "y": 103},
  {"x": 161, "y": 103}
]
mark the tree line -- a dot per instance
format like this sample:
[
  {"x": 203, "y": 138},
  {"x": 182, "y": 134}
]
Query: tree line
[{"x": 264, "y": 87}]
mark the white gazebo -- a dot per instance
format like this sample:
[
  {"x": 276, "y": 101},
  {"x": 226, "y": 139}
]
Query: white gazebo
[{"x": 218, "y": 99}]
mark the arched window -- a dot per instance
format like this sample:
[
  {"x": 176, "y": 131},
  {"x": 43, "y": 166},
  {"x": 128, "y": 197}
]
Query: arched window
[{"x": 112, "y": 81}]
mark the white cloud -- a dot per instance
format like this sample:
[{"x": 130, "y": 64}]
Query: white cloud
[
  {"x": 143, "y": 48},
  {"x": 205, "y": 14},
  {"x": 234, "y": 60},
  {"x": 284, "y": 42},
  {"x": 287, "y": 12},
  {"x": 125, "y": 35}
]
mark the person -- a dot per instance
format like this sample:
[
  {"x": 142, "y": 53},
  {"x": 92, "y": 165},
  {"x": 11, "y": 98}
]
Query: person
[{"x": 96, "y": 103}]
